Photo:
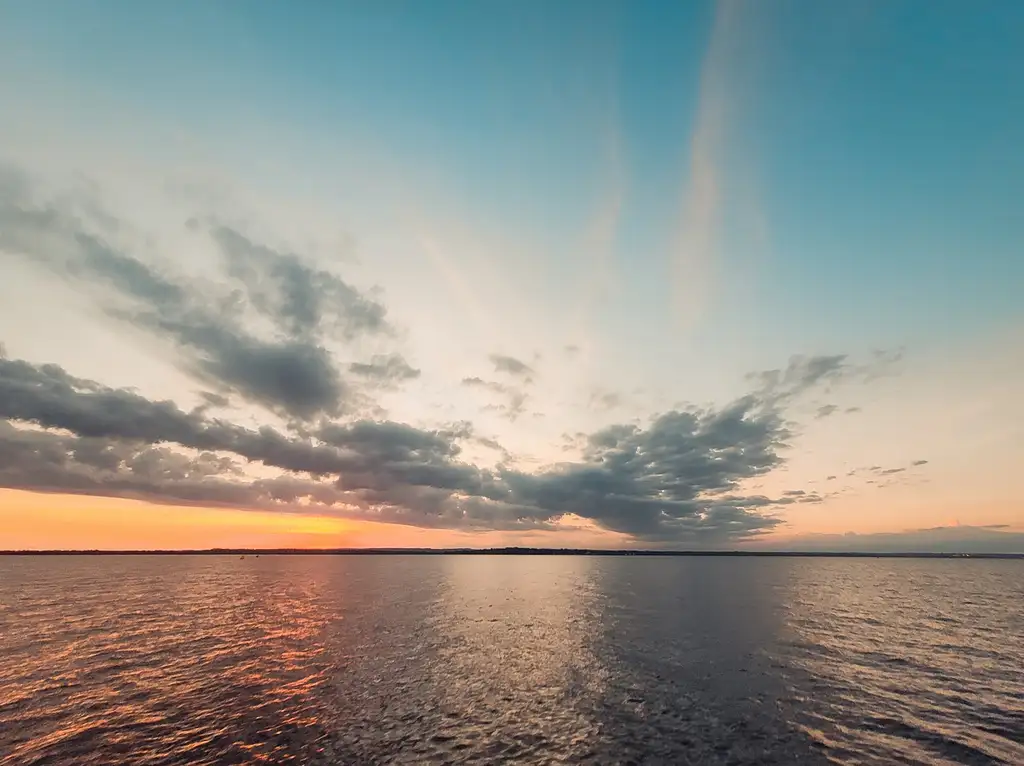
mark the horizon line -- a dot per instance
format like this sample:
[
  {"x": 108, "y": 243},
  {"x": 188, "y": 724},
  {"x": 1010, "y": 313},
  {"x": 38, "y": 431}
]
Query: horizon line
[{"x": 506, "y": 550}]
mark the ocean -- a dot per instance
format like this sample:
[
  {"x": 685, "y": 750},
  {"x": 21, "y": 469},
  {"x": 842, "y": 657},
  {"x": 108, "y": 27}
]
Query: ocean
[{"x": 510, "y": 659}]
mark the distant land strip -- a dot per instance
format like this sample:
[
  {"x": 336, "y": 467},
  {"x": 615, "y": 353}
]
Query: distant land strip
[{"x": 508, "y": 552}]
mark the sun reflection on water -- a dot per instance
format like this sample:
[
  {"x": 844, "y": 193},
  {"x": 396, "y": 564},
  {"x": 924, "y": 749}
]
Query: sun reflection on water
[
  {"x": 496, "y": 659},
  {"x": 519, "y": 652}
]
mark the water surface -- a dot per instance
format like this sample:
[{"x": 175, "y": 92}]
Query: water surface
[{"x": 495, "y": 659}]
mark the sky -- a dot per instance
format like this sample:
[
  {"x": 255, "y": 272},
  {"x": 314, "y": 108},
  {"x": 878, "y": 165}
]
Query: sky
[{"x": 601, "y": 274}]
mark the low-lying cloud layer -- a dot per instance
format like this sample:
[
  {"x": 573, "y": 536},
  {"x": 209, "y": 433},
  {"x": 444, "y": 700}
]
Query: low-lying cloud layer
[{"x": 676, "y": 480}]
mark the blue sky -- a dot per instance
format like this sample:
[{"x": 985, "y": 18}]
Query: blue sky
[{"x": 684, "y": 192}]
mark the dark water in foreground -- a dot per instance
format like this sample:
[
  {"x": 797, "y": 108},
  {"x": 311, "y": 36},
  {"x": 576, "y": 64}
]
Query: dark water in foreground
[{"x": 517, "y": 659}]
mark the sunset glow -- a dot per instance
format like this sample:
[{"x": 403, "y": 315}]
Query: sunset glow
[{"x": 709, "y": 277}]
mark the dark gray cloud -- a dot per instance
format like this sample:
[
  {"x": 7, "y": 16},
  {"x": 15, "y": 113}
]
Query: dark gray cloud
[
  {"x": 673, "y": 482},
  {"x": 800, "y": 375},
  {"x": 302, "y": 301},
  {"x": 211, "y": 399},
  {"x": 804, "y": 373},
  {"x": 387, "y": 370},
  {"x": 789, "y": 498},
  {"x": 514, "y": 403},
  {"x": 492, "y": 444},
  {"x": 293, "y": 378},
  {"x": 878, "y": 470},
  {"x": 289, "y": 371},
  {"x": 379, "y": 456},
  {"x": 44, "y": 461},
  {"x": 511, "y": 366},
  {"x": 881, "y": 476},
  {"x": 825, "y": 410},
  {"x": 288, "y": 375},
  {"x": 490, "y": 385}
]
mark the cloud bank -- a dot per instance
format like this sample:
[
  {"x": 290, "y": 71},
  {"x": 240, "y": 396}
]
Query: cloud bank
[{"x": 677, "y": 480}]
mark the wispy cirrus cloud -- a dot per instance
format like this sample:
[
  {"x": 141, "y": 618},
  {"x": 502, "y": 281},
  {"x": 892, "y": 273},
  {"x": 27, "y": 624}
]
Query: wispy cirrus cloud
[{"x": 696, "y": 245}]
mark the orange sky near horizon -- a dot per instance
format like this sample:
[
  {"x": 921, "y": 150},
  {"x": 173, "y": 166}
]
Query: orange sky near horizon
[{"x": 39, "y": 521}]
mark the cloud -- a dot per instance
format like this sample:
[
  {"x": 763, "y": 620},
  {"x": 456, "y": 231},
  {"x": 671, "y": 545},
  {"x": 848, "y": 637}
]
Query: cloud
[
  {"x": 385, "y": 370},
  {"x": 511, "y": 366},
  {"x": 288, "y": 370},
  {"x": 800, "y": 375},
  {"x": 700, "y": 220},
  {"x": 289, "y": 375},
  {"x": 492, "y": 444},
  {"x": 379, "y": 457},
  {"x": 292, "y": 378},
  {"x": 301, "y": 301},
  {"x": 878, "y": 470},
  {"x": 214, "y": 400},
  {"x": 514, "y": 407},
  {"x": 672, "y": 481},
  {"x": 825, "y": 410},
  {"x": 515, "y": 398},
  {"x": 490, "y": 385},
  {"x": 675, "y": 481},
  {"x": 51, "y": 462},
  {"x": 823, "y": 371}
]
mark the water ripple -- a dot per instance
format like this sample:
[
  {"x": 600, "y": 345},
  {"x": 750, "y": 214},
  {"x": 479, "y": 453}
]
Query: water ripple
[{"x": 366, "y": 660}]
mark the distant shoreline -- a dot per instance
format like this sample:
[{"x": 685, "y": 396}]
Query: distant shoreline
[{"x": 507, "y": 552}]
